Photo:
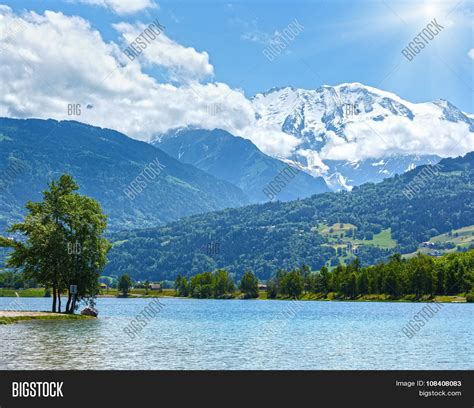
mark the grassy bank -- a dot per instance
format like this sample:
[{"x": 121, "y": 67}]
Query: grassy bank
[
  {"x": 365, "y": 298},
  {"x": 40, "y": 292},
  {"x": 385, "y": 298},
  {"x": 9, "y": 317},
  {"x": 139, "y": 293},
  {"x": 262, "y": 295},
  {"x": 32, "y": 292}
]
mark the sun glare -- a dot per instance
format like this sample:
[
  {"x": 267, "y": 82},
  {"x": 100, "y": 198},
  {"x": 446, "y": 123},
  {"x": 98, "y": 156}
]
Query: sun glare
[
  {"x": 430, "y": 10},
  {"x": 424, "y": 12}
]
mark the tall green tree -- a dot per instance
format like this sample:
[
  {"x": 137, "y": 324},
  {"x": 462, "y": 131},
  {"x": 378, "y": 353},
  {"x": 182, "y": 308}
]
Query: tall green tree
[
  {"x": 249, "y": 285},
  {"x": 222, "y": 283},
  {"x": 87, "y": 249},
  {"x": 272, "y": 288},
  {"x": 291, "y": 284},
  {"x": 124, "y": 284},
  {"x": 352, "y": 285},
  {"x": 323, "y": 284},
  {"x": 63, "y": 243},
  {"x": 305, "y": 271},
  {"x": 181, "y": 286},
  {"x": 391, "y": 283},
  {"x": 363, "y": 282},
  {"x": 201, "y": 285}
]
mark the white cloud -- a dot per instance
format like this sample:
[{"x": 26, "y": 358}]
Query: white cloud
[
  {"x": 49, "y": 61},
  {"x": 181, "y": 62},
  {"x": 259, "y": 37},
  {"x": 253, "y": 34},
  {"x": 122, "y": 6},
  {"x": 397, "y": 135},
  {"x": 271, "y": 141},
  {"x": 470, "y": 53}
]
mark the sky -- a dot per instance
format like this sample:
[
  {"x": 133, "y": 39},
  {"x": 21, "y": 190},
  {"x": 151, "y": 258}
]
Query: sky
[{"x": 71, "y": 51}]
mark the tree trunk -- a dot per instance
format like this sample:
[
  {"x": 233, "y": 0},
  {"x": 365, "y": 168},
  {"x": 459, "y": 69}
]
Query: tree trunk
[
  {"x": 59, "y": 301},
  {"x": 54, "y": 299},
  {"x": 68, "y": 304},
  {"x": 73, "y": 305}
]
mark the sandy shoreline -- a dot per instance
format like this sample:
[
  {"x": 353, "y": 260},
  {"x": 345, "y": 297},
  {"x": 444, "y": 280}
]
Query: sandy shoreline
[
  {"x": 21, "y": 313},
  {"x": 15, "y": 316}
]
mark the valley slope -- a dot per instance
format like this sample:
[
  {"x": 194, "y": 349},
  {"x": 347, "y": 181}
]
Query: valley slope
[
  {"x": 265, "y": 237},
  {"x": 104, "y": 163}
]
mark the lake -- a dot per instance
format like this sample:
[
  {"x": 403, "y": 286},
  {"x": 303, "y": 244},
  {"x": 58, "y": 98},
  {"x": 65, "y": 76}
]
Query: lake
[{"x": 241, "y": 334}]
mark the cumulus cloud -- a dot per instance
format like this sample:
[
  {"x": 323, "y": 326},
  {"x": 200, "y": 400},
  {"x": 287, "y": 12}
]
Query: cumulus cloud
[
  {"x": 122, "y": 6},
  {"x": 397, "y": 135},
  {"x": 314, "y": 164},
  {"x": 470, "y": 53},
  {"x": 50, "y": 60},
  {"x": 271, "y": 141},
  {"x": 180, "y": 61}
]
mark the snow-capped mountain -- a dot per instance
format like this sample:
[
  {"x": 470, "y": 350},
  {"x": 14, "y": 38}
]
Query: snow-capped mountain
[{"x": 351, "y": 133}]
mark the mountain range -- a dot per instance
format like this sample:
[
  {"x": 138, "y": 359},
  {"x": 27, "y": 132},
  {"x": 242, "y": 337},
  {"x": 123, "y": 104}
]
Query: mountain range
[
  {"x": 237, "y": 161},
  {"x": 331, "y": 119},
  {"x": 204, "y": 180}
]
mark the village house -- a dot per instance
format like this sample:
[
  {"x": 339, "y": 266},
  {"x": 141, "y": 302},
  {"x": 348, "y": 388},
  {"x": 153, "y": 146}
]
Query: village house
[{"x": 155, "y": 286}]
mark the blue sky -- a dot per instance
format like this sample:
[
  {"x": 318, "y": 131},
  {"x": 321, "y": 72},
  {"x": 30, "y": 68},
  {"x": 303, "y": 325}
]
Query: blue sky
[{"x": 342, "y": 41}]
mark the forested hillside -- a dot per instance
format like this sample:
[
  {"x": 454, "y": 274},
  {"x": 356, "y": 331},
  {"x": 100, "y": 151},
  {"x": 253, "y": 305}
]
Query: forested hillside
[
  {"x": 263, "y": 238},
  {"x": 105, "y": 163}
]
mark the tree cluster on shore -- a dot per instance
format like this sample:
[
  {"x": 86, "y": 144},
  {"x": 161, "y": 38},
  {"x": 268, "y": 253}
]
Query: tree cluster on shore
[
  {"x": 217, "y": 285},
  {"x": 13, "y": 280},
  {"x": 419, "y": 276},
  {"x": 61, "y": 243},
  {"x": 206, "y": 285}
]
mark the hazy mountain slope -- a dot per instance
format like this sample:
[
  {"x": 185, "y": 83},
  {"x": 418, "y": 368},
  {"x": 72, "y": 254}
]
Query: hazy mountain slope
[
  {"x": 104, "y": 162},
  {"x": 237, "y": 161}
]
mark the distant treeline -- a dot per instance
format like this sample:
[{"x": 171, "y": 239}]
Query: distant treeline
[
  {"x": 15, "y": 280},
  {"x": 421, "y": 275},
  {"x": 206, "y": 285}
]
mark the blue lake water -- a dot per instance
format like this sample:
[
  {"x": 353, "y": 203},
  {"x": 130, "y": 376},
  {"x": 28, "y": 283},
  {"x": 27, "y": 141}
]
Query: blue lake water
[{"x": 241, "y": 334}]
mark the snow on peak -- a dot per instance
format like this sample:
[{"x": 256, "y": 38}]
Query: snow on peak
[
  {"x": 315, "y": 116},
  {"x": 353, "y": 122}
]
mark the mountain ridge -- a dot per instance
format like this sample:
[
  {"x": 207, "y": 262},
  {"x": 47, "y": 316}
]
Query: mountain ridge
[
  {"x": 238, "y": 161},
  {"x": 331, "y": 121},
  {"x": 104, "y": 162}
]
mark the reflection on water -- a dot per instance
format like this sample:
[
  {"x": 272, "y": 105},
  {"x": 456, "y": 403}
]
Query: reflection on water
[{"x": 252, "y": 334}]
